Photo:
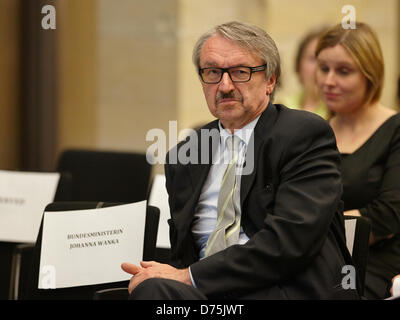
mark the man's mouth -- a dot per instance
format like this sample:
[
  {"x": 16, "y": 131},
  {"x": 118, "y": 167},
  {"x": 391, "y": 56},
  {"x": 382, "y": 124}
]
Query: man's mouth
[{"x": 228, "y": 98}]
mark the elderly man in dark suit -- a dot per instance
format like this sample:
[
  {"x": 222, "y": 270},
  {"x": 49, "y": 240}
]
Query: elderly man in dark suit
[{"x": 261, "y": 218}]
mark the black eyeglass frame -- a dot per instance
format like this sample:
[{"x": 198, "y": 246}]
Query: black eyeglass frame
[{"x": 223, "y": 70}]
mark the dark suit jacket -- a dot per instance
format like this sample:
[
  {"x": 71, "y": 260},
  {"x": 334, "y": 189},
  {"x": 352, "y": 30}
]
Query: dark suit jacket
[{"x": 291, "y": 211}]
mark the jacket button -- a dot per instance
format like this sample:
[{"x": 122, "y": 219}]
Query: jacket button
[{"x": 268, "y": 187}]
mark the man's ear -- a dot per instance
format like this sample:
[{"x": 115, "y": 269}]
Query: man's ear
[{"x": 271, "y": 84}]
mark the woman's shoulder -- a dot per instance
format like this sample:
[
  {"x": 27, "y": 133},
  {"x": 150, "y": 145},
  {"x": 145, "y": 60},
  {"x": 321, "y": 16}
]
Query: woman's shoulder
[
  {"x": 390, "y": 127},
  {"x": 387, "y": 112},
  {"x": 387, "y": 123},
  {"x": 389, "y": 118}
]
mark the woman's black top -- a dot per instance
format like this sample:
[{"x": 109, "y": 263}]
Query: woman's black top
[{"x": 371, "y": 184}]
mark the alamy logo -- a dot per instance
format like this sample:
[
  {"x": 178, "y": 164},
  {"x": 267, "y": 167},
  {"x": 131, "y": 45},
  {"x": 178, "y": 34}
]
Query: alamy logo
[
  {"x": 199, "y": 147},
  {"x": 48, "y": 280},
  {"x": 349, "y": 20},
  {"x": 349, "y": 280},
  {"x": 49, "y": 20}
]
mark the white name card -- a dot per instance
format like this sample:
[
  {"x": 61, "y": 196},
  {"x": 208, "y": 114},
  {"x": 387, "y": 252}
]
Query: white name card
[
  {"x": 159, "y": 198},
  {"x": 350, "y": 229},
  {"x": 87, "y": 247},
  {"x": 396, "y": 287},
  {"x": 23, "y": 198}
]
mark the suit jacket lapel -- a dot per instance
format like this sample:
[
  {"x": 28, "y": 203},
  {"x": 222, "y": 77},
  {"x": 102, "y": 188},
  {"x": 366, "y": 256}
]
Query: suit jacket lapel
[
  {"x": 261, "y": 132},
  {"x": 199, "y": 171}
]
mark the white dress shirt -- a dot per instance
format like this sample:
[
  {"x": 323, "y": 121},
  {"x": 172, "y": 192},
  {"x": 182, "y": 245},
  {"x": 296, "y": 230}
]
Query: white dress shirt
[{"x": 206, "y": 211}]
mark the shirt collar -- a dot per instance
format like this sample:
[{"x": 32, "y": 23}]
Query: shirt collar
[{"x": 243, "y": 133}]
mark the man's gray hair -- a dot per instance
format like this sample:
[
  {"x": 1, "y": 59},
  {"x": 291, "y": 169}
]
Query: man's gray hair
[{"x": 250, "y": 37}]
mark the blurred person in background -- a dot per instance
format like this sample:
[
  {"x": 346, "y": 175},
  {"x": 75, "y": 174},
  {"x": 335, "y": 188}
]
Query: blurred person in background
[
  {"x": 308, "y": 98},
  {"x": 350, "y": 76}
]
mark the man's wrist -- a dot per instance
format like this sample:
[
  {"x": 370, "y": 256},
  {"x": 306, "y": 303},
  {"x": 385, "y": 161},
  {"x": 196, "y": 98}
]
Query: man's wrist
[{"x": 185, "y": 276}]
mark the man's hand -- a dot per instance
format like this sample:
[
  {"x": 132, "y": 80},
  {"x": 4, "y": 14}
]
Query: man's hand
[{"x": 152, "y": 269}]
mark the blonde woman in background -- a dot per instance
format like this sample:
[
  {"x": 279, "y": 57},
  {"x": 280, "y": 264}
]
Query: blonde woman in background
[{"x": 350, "y": 78}]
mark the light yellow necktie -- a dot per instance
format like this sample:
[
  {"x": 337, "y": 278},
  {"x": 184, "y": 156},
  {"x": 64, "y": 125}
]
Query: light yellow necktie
[{"x": 226, "y": 231}]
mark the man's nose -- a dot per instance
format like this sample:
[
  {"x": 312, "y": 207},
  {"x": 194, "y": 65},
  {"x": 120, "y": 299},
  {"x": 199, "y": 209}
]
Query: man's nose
[{"x": 226, "y": 84}]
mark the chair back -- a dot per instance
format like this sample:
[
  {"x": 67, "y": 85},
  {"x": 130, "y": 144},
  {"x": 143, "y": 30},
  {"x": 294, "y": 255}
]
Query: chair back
[
  {"x": 357, "y": 239},
  {"x": 84, "y": 292},
  {"x": 91, "y": 175}
]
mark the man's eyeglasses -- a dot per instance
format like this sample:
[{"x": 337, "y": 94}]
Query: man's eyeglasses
[{"x": 237, "y": 74}]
